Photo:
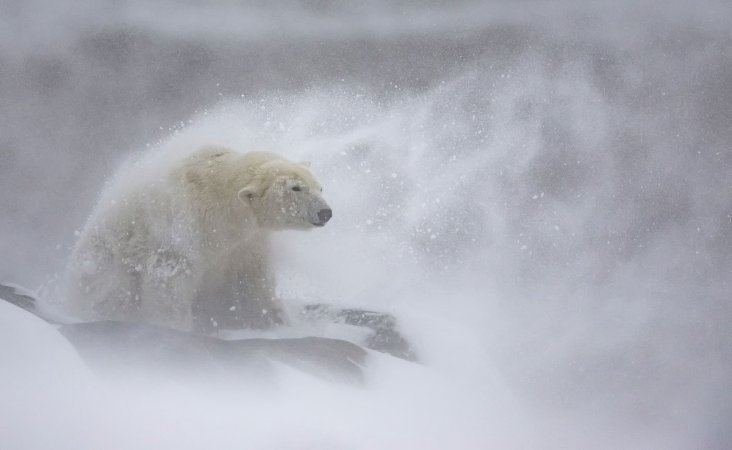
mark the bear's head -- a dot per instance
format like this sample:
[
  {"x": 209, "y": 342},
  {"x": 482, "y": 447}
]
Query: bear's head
[{"x": 285, "y": 195}]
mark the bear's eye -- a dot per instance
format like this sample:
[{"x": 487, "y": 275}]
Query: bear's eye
[{"x": 296, "y": 188}]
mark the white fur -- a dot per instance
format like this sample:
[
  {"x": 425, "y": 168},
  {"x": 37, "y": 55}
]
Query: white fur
[{"x": 188, "y": 246}]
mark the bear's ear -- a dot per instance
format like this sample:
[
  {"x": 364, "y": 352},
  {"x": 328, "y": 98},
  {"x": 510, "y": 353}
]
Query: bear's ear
[
  {"x": 305, "y": 163},
  {"x": 246, "y": 194}
]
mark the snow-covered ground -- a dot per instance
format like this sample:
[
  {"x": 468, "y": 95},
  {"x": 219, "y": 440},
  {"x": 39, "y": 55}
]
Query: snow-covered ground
[{"x": 539, "y": 192}]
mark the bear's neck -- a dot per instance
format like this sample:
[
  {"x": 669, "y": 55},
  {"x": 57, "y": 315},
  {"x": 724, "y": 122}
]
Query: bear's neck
[
  {"x": 212, "y": 188},
  {"x": 226, "y": 225}
]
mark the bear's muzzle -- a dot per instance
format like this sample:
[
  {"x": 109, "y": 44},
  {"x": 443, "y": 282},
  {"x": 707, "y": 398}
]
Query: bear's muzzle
[{"x": 324, "y": 216}]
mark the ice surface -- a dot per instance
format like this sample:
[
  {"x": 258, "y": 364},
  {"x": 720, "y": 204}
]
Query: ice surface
[{"x": 538, "y": 191}]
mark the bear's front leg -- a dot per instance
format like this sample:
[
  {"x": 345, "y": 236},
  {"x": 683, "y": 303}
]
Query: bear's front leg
[
  {"x": 241, "y": 305},
  {"x": 237, "y": 293}
]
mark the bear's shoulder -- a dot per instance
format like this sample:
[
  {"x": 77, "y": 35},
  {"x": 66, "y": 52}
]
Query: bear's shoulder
[
  {"x": 216, "y": 153},
  {"x": 210, "y": 153}
]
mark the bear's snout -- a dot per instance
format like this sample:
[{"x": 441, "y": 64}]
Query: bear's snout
[{"x": 324, "y": 216}]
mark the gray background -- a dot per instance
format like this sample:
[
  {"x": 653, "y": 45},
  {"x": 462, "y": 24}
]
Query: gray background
[{"x": 595, "y": 190}]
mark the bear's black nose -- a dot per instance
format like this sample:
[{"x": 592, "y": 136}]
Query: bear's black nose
[{"x": 324, "y": 215}]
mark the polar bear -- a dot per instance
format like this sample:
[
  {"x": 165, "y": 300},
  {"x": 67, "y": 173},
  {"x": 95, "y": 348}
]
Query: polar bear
[{"x": 188, "y": 247}]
